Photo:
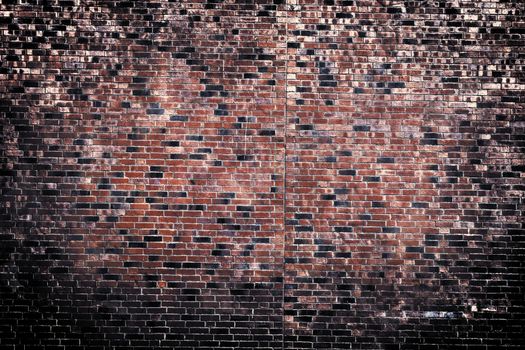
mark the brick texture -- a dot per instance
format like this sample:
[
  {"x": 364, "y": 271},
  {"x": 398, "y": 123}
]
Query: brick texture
[{"x": 270, "y": 174}]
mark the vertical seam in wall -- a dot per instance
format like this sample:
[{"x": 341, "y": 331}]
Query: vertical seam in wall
[{"x": 285, "y": 136}]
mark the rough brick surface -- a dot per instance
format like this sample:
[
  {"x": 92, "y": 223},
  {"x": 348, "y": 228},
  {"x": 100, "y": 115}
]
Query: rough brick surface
[{"x": 270, "y": 174}]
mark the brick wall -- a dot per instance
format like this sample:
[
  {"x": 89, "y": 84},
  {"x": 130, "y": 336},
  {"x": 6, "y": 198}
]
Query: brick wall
[{"x": 241, "y": 174}]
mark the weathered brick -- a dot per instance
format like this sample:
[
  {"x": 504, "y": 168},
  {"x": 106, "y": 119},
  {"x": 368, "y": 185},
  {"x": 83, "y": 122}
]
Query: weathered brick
[{"x": 327, "y": 174}]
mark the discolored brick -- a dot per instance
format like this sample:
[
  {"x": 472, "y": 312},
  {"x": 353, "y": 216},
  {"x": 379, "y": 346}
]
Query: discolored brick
[{"x": 274, "y": 174}]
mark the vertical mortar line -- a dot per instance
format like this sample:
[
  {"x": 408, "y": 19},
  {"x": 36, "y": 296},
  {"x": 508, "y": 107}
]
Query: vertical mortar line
[{"x": 285, "y": 136}]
